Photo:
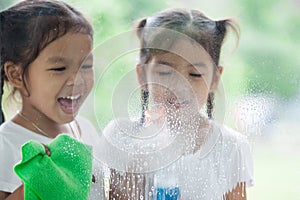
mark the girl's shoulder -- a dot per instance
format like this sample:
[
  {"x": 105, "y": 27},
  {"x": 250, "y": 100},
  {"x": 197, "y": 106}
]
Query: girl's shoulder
[
  {"x": 236, "y": 154},
  {"x": 16, "y": 135},
  {"x": 231, "y": 150},
  {"x": 224, "y": 141},
  {"x": 114, "y": 144},
  {"x": 228, "y": 135},
  {"x": 119, "y": 131}
]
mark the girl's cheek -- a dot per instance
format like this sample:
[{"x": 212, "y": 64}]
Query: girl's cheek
[
  {"x": 157, "y": 93},
  {"x": 88, "y": 79}
]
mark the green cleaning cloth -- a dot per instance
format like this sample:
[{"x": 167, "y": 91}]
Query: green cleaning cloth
[{"x": 63, "y": 171}]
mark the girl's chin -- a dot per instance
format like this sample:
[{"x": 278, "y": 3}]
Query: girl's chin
[
  {"x": 67, "y": 116},
  {"x": 69, "y": 111},
  {"x": 67, "y": 119}
]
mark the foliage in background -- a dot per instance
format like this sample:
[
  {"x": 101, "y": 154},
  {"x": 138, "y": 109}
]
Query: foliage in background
[{"x": 266, "y": 59}]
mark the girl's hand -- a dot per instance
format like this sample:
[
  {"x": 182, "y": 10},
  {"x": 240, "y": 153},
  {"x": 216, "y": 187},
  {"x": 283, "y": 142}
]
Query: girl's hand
[
  {"x": 126, "y": 187},
  {"x": 3, "y": 195},
  {"x": 18, "y": 194},
  {"x": 238, "y": 193}
]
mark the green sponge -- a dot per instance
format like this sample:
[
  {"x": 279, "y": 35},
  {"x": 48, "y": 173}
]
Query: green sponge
[{"x": 64, "y": 174}]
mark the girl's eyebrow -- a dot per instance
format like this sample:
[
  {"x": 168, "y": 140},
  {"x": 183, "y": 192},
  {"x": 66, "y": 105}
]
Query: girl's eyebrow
[
  {"x": 161, "y": 62},
  {"x": 197, "y": 65},
  {"x": 57, "y": 59},
  {"x": 200, "y": 64}
]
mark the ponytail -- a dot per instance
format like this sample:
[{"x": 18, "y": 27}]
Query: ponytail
[
  {"x": 210, "y": 105},
  {"x": 140, "y": 25},
  {"x": 220, "y": 33},
  {"x": 145, "y": 102},
  {"x": 2, "y": 119},
  {"x": 2, "y": 74}
]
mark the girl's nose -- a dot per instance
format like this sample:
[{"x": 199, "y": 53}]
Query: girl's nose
[{"x": 75, "y": 79}]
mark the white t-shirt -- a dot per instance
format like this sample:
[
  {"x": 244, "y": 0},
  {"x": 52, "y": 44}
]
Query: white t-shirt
[
  {"x": 13, "y": 136},
  {"x": 223, "y": 161}
]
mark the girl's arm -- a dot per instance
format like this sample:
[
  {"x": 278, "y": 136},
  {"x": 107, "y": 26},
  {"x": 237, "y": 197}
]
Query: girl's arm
[
  {"x": 3, "y": 195},
  {"x": 238, "y": 193},
  {"x": 127, "y": 186},
  {"x": 18, "y": 194}
]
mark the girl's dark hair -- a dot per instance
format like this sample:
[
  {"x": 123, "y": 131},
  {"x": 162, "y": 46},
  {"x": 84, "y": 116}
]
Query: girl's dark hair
[
  {"x": 154, "y": 32},
  {"x": 29, "y": 26}
]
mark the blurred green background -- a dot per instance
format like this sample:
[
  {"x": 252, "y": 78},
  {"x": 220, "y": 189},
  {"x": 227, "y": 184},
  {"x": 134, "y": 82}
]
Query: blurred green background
[{"x": 261, "y": 78}]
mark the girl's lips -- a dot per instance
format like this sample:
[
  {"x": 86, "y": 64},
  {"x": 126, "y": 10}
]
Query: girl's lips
[{"x": 70, "y": 104}]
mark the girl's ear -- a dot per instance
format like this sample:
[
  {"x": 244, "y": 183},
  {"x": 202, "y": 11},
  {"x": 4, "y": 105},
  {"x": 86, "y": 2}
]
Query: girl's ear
[
  {"x": 14, "y": 74},
  {"x": 216, "y": 79},
  {"x": 141, "y": 76}
]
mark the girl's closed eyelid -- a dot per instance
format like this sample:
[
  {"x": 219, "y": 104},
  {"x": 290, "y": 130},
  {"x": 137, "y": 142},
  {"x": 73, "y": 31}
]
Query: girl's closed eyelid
[
  {"x": 164, "y": 73},
  {"x": 59, "y": 69},
  {"x": 196, "y": 75},
  {"x": 87, "y": 66}
]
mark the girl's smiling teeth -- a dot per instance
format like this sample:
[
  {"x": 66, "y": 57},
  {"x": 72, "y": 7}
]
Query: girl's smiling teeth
[
  {"x": 70, "y": 104},
  {"x": 75, "y": 97}
]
